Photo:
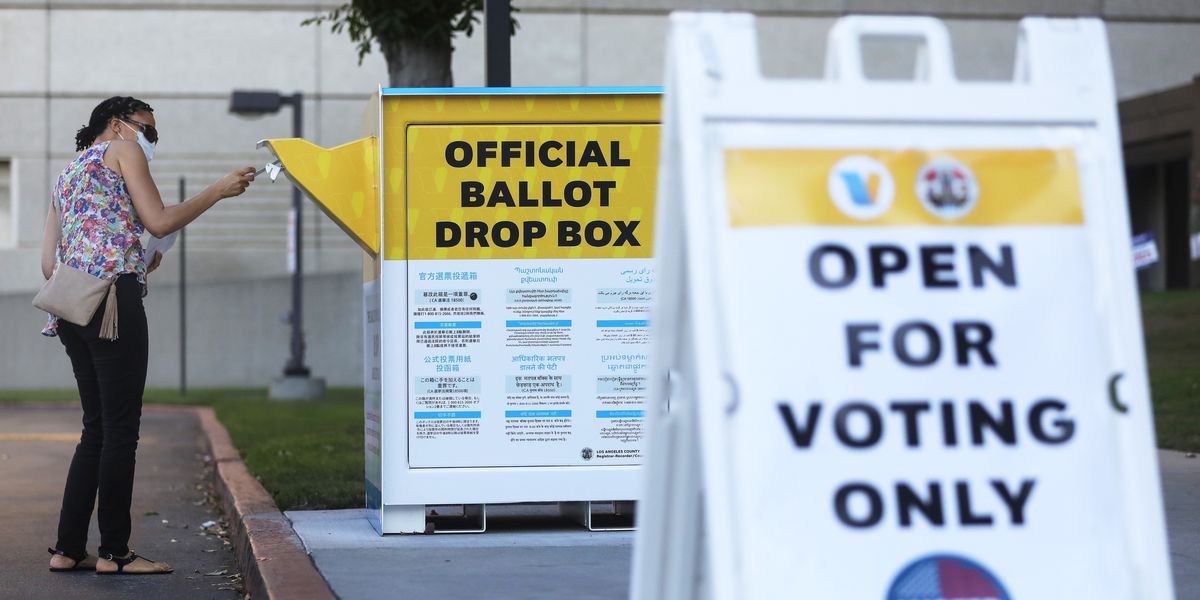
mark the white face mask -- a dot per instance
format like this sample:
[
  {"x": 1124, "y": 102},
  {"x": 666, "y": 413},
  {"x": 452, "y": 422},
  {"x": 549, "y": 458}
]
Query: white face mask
[{"x": 147, "y": 147}]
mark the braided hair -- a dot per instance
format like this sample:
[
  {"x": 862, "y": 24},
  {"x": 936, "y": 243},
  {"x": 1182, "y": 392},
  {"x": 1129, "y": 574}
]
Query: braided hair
[{"x": 121, "y": 107}]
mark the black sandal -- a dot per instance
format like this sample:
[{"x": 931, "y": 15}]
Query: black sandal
[
  {"x": 74, "y": 567},
  {"x": 123, "y": 562}
]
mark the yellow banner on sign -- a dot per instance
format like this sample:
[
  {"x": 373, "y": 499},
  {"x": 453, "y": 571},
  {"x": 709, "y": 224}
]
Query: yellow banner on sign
[
  {"x": 402, "y": 112},
  {"x": 906, "y": 187},
  {"x": 531, "y": 191}
]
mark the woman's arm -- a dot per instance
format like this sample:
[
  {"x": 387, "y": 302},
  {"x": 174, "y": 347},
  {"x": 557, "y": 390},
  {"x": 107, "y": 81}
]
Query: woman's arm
[
  {"x": 161, "y": 220},
  {"x": 50, "y": 242}
]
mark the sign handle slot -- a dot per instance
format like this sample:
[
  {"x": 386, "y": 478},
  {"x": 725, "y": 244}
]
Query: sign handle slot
[{"x": 843, "y": 53}]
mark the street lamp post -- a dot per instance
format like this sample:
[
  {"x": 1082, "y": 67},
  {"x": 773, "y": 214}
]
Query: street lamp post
[
  {"x": 497, "y": 18},
  {"x": 296, "y": 383}
]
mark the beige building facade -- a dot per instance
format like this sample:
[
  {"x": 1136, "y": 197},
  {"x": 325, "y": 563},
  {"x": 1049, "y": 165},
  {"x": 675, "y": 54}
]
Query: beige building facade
[{"x": 58, "y": 58}]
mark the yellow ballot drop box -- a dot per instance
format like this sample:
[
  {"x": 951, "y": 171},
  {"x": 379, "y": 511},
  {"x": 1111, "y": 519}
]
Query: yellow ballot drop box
[{"x": 507, "y": 286}]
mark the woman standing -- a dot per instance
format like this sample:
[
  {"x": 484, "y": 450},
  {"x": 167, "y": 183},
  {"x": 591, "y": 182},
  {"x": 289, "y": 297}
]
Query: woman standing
[{"x": 102, "y": 203}]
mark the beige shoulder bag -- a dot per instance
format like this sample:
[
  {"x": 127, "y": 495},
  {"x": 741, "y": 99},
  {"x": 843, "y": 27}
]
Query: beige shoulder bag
[{"x": 74, "y": 295}]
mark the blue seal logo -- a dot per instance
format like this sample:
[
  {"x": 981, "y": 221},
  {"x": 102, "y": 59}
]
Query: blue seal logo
[{"x": 946, "y": 577}]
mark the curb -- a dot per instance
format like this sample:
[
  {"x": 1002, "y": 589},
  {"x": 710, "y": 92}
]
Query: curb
[{"x": 270, "y": 555}]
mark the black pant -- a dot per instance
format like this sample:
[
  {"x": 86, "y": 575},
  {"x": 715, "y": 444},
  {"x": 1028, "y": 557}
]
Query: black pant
[{"x": 111, "y": 376}]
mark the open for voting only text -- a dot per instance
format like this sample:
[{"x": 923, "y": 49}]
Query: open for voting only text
[{"x": 861, "y": 425}]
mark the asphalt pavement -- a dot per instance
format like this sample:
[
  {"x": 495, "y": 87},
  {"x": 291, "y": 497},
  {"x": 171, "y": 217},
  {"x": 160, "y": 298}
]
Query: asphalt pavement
[{"x": 169, "y": 509}]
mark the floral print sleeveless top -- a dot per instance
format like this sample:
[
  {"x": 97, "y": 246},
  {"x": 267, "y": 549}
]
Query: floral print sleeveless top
[{"x": 100, "y": 229}]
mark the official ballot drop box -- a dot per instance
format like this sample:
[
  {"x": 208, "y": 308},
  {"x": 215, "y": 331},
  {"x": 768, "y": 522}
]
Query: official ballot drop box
[{"x": 507, "y": 281}]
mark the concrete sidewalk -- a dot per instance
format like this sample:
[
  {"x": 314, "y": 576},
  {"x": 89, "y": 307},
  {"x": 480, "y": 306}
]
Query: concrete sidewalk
[
  {"x": 1181, "y": 495},
  {"x": 36, "y": 444},
  {"x": 530, "y": 553}
]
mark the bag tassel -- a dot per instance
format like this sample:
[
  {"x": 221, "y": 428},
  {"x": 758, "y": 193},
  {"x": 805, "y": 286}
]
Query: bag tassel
[{"x": 108, "y": 323}]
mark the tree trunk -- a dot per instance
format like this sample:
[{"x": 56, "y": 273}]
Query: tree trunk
[{"x": 419, "y": 63}]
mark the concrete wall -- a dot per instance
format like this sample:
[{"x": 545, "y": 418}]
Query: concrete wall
[
  {"x": 1155, "y": 43},
  {"x": 235, "y": 335},
  {"x": 58, "y": 58}
]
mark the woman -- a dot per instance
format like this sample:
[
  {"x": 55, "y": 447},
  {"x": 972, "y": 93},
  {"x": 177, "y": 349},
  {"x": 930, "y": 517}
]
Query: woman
[{"x": 102, "y": 203}]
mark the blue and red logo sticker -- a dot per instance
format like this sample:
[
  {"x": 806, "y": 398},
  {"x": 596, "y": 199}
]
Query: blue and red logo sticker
[{"x": 946, "y": 577}]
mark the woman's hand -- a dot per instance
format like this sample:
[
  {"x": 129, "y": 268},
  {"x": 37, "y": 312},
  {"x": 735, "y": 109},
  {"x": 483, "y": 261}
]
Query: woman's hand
[
  {"x": 234, "y": 183},
  {"x": 154, "y": 263}
]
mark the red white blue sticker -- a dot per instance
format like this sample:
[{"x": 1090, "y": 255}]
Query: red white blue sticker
[{"x": 946, "y": 577}]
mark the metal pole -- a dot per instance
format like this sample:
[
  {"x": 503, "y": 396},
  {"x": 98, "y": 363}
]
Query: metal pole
[
  {"x": 295, "y": 365},
  {"x": 497, "y": 31},
  {"x": 182, "y": 296}
]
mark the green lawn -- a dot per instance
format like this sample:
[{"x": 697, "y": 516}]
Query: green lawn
[
  {"x": 1172, "y": 326},
  {"x": 308, "y": 455}
]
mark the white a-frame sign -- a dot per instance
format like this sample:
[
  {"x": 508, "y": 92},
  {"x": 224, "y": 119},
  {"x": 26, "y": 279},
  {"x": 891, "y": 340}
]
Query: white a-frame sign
[{"x": 902, "y": 329}]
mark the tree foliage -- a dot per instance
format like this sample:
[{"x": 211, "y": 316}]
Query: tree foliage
[{"x": 387, "y": 22}]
